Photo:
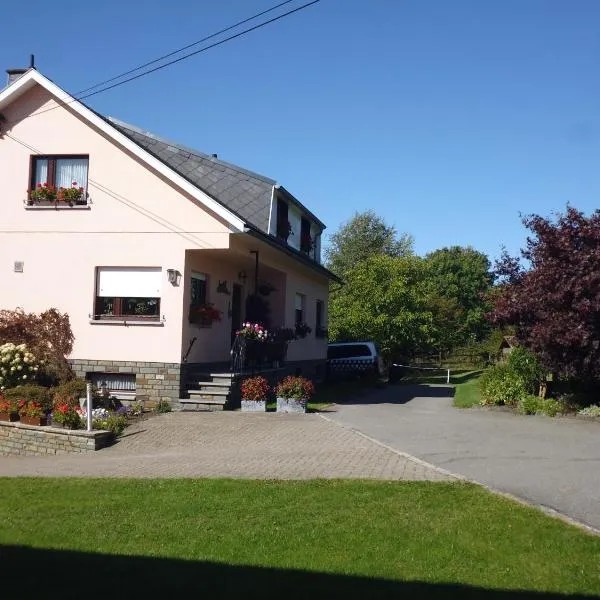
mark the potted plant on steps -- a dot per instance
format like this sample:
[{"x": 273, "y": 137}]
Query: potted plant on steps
[
  {"x": 293, "y": 394},
  {"x": 8, "y": 409},
  {"x": 254, "y": 394}
]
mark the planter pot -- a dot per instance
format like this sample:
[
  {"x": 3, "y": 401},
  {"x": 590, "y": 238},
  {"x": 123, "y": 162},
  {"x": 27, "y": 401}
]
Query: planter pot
[
  {"x": 289, "y": 405},
  {"x": 39, "y": 421},
  {"x": 254, "y": 405},
  {"x": 11, "y": 417}
]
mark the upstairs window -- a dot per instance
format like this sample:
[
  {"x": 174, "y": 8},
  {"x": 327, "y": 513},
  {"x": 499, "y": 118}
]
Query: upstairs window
[
  {"x": 58, "y": 179},
  {"x": 284, "y": 228},
  {"x": 128, "y": 293},
  {"x": 306, "y": 242}
]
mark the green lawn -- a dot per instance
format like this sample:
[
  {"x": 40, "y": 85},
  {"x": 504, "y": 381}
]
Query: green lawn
[
  {"x": 466, "y": 390},
  {"x": 82, "y": 538}
]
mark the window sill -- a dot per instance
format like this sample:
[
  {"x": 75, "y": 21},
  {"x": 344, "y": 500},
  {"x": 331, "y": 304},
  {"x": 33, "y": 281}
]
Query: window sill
[
  {"x": 125, "y": 323},
  {"x": 58, "y": 207}
]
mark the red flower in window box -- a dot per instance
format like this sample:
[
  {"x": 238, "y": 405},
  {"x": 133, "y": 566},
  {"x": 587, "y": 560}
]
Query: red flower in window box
[
  {"x": 72, "y": 194},
  {"x": 204, "y": 314},
  {"x": 43, "y": 192}
]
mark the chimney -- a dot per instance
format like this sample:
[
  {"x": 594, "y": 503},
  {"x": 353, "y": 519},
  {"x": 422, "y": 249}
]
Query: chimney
[{"x": 14, "y": 74}]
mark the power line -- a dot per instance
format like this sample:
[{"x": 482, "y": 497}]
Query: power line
[
  {"x": 181, "y": 58},
  {"x": 204, "y": 39},
  {"x": 129, "y": 203}
]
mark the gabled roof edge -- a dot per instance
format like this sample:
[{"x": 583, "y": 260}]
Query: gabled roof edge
[{"x": 24, "y": 83}]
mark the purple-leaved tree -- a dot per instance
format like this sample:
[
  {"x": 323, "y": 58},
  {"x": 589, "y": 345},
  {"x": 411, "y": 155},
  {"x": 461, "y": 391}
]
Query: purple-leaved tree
[{"x": 555, "y": 304}]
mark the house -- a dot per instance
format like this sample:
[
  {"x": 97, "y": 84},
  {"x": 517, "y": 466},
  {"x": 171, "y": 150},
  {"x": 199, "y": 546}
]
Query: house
[{"x": 148, "y": 245}]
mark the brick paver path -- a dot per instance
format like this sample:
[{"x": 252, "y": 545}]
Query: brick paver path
[{"x": 226, "y": 444}]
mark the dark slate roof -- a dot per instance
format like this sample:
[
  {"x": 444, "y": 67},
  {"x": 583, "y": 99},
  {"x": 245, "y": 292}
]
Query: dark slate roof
[{"x": 244, "y": 193}]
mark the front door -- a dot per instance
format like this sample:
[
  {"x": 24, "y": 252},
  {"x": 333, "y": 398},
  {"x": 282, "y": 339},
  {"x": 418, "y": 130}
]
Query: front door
[{"x": 236, "y": 309}]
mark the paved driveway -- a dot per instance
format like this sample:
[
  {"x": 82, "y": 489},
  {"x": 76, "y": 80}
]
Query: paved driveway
[
  {"x": 226, "y": 444},
  {"x": 549, "y": 462}
]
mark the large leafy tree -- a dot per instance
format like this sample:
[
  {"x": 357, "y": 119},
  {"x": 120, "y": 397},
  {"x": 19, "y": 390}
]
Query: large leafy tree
[
  {"x": 459, "y": 279},
  {"x": 385, "y": 300},
  {"x": 364, "y": 235},
  {"x": 555, "y": 304}
]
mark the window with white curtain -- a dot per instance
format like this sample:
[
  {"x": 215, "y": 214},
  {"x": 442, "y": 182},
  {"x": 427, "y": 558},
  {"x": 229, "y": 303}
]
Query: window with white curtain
[
  {"x": 61, "y": 172},
  {"x": 128, "y": 292}
]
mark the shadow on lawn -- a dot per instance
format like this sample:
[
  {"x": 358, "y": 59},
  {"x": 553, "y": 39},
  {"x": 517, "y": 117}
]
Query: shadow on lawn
[{"x": 57, "y": 574}]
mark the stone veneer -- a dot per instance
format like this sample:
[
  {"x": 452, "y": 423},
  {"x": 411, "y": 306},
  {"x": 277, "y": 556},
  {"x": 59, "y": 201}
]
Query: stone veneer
[
  {"x": 153, "y": 381},
  {"x": 29, "y": 440}
]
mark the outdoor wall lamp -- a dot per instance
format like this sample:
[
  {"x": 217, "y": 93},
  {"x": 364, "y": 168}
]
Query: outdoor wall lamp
[{"x": 173, "y": 276}]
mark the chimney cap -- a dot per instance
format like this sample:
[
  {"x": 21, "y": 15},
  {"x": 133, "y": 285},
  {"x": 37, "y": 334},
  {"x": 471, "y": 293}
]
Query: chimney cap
[{"x": 19, "y": 71}]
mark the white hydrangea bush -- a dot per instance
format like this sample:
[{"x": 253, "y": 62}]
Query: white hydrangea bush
[{"x": 17, "y": 365}]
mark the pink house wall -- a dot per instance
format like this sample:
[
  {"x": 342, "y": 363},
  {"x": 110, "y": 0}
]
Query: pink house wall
[{"x": 130, "y": 222}]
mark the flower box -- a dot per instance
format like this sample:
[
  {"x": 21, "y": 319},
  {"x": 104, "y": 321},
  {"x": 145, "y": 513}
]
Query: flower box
[
  {"x": 254, "y": 405},
  {"x": 291, "y": 405},
  {"x": 11, "y": 417},
  {"x": 39, "y": 421}
]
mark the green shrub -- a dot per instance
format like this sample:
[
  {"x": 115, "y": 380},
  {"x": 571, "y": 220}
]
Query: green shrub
[
  {"x": 70, "y": 392},
  {"x": 549, "y": 407},
  {"x": 114, "y": 423},
  {"x": 525, "y": 364},
  {"x": 529, "y": 405},
  {"x": 590, "y": 411},
  {"x": 163, "y": 406},
  {"x": 501, "y": 385},
  {"x": 31, "y": 393}
]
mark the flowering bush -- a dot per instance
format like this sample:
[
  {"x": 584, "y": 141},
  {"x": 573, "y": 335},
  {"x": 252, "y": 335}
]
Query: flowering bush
[
  {"x": 31, "y": 409},
  {"x": 67, "y": 415},
  {"x": 296, "y": 388},
  {"x": 47, "y": 335},
  {"x": 17, "y": 365},
  {"x": 253, "y": 331},
  {"x": 43, "y": 192},
  {"x": 72, "y": 194},
  {"x": 204, "y": 314},
  {"x": 255, "y": 388},
  {"x": 8, "y": 406}
]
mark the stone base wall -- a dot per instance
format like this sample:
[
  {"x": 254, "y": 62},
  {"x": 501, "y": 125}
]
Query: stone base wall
[
  {"x": 29, "y": 440},
  {"x": 153, "y": 381}
]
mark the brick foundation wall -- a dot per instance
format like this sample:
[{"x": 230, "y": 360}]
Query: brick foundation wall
[
  {"x": 153, "y": 381},
  {"x": 29, "y": 440}
]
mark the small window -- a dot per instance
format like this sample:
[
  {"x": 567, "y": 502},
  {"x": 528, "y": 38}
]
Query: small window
[
  {"x": 283, "y": 223},
  {"x": 300, "y": 309},
  {"x": 198, "y": 289},
  {"x": 58, "y": 179},
  {"x": 320, "y": 330},
  {"x": 131, "y": 293},
  {"x": 306, "y": 241}
]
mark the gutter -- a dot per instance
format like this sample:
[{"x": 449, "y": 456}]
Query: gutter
[{"x": 292, "y": 252}]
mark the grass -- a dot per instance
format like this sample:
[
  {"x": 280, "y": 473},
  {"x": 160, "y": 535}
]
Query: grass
[
  {"x": 465, "y": 382},
  {"x": 466, "y": 392},
  {"x": 73, "y": 538}
]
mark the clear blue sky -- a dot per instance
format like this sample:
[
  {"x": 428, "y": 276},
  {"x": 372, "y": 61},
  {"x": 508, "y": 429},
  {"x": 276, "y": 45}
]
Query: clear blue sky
[{"x": 447, "y": 118}]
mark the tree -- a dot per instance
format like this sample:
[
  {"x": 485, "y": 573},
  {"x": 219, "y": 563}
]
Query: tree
[
  {"x": 384, "y": 299},
  {"x": 363, "y": 236},
  {"x": 458, "y": 282},
  {"x": 555, "y": 305}
]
